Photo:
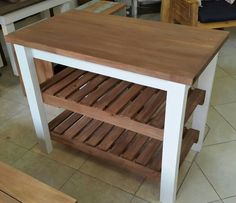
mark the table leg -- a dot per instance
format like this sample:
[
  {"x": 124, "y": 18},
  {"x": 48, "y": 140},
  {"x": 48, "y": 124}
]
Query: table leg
[
  {"x": 1, "y": 62},
  {"x": 173, "y": 131},
  {"x": 66, "y": 7},
  {"x": 33, "y": 93},
  {"x": 6, "y": 30},
  {"x": 135, "y": 8},
  {"x": 205, "y": 82}
]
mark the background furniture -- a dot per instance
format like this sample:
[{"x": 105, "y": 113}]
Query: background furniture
[
  {"x": 3, "y": 61},
  {"x": 212, "y": 14},
  {"x": 11, "y": 13},
  {"x": 124, "y": 105},
  {"x": 17, "y": 187}
]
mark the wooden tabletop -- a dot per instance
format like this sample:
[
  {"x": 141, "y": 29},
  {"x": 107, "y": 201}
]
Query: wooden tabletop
[
  {"x": 171, "y": 52},
  {"x": 17, "y": 187}
]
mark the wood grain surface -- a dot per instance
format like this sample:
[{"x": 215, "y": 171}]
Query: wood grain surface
[
  {"x": 26, "y": 189},
  {"x": 171, "y": 52}
]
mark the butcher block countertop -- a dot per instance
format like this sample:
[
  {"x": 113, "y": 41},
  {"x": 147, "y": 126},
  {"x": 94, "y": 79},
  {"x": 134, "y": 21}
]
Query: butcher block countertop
[{"x": 166, "y": 51}]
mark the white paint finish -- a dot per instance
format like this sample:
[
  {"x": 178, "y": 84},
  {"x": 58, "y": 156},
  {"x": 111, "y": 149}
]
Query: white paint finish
[
  {"x": 135, "y": 8},
  {"x": 105, "y": 70},
  {"x": 7, "y": 21},
  {"x": 205, "y": 82},
  {"x": 6, "y": 30},
  {"x": 33, "y": 93},
  {"x": 173, "y": 131},
  {"x": 31, "y": 10}
]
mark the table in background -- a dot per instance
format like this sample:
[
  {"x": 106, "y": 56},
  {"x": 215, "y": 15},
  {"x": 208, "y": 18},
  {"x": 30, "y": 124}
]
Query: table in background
[{"x": 8, "y": 19}]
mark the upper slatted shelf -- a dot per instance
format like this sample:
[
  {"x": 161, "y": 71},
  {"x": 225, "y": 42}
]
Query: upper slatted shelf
[{"x": 133, "y": 107}]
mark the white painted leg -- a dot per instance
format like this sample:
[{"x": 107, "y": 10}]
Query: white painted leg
[
  {"x": 33, "y": 93},
  {"x": 173, "y": 131},
  {"x": 66, "y": 7},
  {"x": 205, "y": 82},
  {"x": 6, "y": 30},
  {"x": 135, "y": 8},
  {"x": 45, "y": 14}
]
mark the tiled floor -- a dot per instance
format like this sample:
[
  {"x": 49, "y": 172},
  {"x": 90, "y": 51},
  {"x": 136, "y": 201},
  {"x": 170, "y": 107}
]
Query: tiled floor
[{"x": 211, "y": 177}]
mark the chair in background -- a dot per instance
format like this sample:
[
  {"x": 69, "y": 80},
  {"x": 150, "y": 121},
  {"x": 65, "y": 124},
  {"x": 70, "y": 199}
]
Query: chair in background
[
  {"x": 3, "y": 61},
  {"x": 211, "y": 14}
]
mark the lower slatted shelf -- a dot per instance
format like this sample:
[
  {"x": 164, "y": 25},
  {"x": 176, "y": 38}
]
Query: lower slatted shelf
[{"x": 130, "y": 150}]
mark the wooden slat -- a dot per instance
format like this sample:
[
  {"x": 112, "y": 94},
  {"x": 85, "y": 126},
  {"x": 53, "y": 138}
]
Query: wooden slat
[
  {"x": 196, "y": 97},
  {"x": 103, "y": 88},
  {"x": 76, "y": 128},
  {"x": 90, "y": 86},
  {"x": 151, "y": 107},
  {"x": 124, "y": 98},
  {"x": 5, "y": 198},
  {"x": 64, "y": 82},
  {"x": 122, "y": 143},
  {"x": 56, "y": 121},
  {"x": 138, "y": 103},
  {"x": 147, "y": 153},
  {"x": 111, "y": 95},
  {"x": 72, "y": 87},
  {"x": 64, "y": 125},
  {"x": 88, "y": 131},
  {"x": 56, "y": 78},
  {"x": 135, "y": 147},
  {"x": 99, "y": 134},
  {"x": 110, "y": 138}
]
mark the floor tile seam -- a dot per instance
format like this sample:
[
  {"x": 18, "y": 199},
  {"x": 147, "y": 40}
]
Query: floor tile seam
[
  {"x": 225, "y": 198},
  {"x": 185, "y": 176},
  {"x": 100, "y": 180},
  {"x": 224, "y": 118},
  {"x": 208, "y": 181},
  {"x": 226, "y": 142}
]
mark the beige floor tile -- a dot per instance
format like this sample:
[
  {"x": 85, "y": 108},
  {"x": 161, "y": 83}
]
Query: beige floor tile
[
  {"x": 150, "y": 190},
  {"x": 9, "y": 109},
  {"x": 228, "y": 111},
  {"x": 112, "y": 174},
  {"x": 196, "y": 188},
  {"x": 218, "y": 164},
  {"x": 138, "y": 200},
  {"x": 53, "y": 110},
  {"x": 220, "y": 73},
  {"x": 91, "y": 190},
  {"x": 220, "y": 131},
  {"x": 44, "y": 169},
  {"x": 218, "y": 201},
  {"x": 228, "y": 63},
  {"x": 64, "y": 155},
  {"x": 223, "y": 91},
  {"x": 230, "y": 200},
  {"x": 9, "y": 152},
  {"x": 20, "y": 130}
]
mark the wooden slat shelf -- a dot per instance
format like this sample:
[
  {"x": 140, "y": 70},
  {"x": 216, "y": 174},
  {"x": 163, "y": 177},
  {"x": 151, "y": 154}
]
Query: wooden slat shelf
[
  {"x": 126, "y": 105},
  {"x": 128, "y": 149}
]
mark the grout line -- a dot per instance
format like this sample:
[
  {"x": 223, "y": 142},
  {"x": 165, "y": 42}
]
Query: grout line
[
  {"x": 208, "y": 180},
  {"x": 226, "y": 142},
  {"x": 229, "y": 197},
  {"x": 224, "y": 117}
]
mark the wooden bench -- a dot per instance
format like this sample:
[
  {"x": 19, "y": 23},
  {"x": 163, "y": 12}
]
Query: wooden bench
[
  {"x": 104, "y": 7},
  {"x": 17, "y": 187}
]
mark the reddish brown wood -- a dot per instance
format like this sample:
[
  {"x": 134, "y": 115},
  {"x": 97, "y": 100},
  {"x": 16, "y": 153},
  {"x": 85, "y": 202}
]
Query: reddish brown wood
[
  {"x": 122, "y": 143},
  {"x": 111, "y": 138},
  {"x": 130, "y": 150},
  {"x": 72, "y": 87},
  {"x": 170, "y": 52},
  {"x": 99, "y": 134}
]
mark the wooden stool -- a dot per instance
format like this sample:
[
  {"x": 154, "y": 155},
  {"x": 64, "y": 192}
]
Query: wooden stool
[
  {"x": 104, "y": 7},
  {"x": 17, "y": 187}
]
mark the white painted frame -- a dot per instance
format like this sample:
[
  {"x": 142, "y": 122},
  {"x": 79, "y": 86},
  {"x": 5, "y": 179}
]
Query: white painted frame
[
  {"x": 7, "y": 21},
  {"x": 175, "y": 106}
]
